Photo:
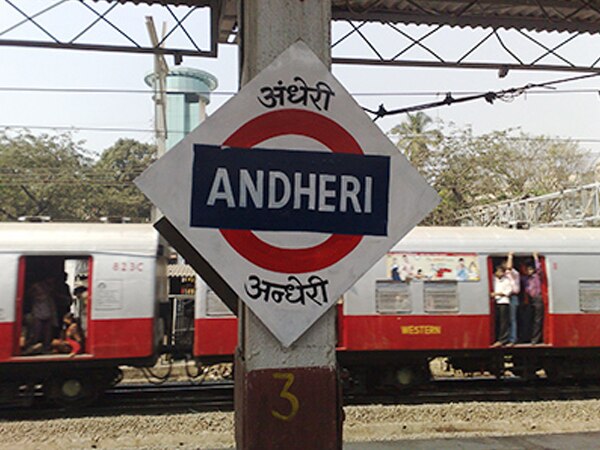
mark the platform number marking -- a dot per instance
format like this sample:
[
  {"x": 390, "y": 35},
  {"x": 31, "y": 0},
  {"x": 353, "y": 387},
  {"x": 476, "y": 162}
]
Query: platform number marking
[{"x": 287, "y": 395}]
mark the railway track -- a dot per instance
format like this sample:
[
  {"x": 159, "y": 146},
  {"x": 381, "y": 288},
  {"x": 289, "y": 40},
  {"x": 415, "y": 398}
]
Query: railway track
[
  {"x": 447, "y": 390},
  {"x": 136, "y": 398},
  {"x": 180, "y": 397}
]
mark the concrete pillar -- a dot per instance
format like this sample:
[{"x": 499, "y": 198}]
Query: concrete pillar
[{"x": 285, "y": 397}]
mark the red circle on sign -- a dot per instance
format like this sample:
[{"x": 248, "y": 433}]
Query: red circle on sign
[{"x": 323, "y": 130}]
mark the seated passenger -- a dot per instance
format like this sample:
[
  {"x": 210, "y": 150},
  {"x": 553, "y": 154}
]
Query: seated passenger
[
  {"x": 71, "y": 341},
  {"x": 25, "y": 340}
]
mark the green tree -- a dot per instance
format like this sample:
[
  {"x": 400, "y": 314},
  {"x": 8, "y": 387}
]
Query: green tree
[
  {"x": 114, "y": 191},
  {"x": 417, "y": 138},
  {"x": 469, "y": 170},
  {"x": 42, "y": 175}
]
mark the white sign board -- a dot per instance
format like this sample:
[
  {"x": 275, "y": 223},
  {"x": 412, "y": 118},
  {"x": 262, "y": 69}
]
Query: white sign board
[{"x": 290, "y": 192}]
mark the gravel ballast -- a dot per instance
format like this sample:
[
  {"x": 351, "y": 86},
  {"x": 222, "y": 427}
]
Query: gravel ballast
[{"x": 364, "y": 423}]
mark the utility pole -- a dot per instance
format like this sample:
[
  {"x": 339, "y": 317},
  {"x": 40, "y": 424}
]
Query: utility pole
[
  {"x": 161, "y": 70},
  {"x": 303, "y": 376}
]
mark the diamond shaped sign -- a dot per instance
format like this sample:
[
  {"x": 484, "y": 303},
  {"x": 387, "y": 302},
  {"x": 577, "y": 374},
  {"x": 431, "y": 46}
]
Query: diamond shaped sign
[{"x": 289, "y": 192}]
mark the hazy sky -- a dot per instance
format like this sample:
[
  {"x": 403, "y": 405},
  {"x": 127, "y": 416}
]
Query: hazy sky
[{"x": 557, "y": 114}]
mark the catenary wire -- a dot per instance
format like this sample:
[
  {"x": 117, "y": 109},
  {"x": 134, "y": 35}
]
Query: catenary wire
[
  {"x": 149, "y": 130},
  {"x": 490, "y": 97},
  {"x": 25, "y": 89}
]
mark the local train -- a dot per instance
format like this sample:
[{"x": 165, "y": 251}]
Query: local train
[
  {"x": 429, "y": 297},
  {"x": 124, "y": 270}
]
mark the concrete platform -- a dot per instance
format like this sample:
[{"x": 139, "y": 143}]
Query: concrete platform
[
  {"x": 562, "y": 441},
  {"x": 571, "y": 441}
]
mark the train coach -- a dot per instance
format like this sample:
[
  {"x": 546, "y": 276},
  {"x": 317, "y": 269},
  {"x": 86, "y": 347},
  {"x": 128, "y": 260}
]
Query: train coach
[
  {"x": 120, "y": 274},
  {"x": 429, "y": 297}
]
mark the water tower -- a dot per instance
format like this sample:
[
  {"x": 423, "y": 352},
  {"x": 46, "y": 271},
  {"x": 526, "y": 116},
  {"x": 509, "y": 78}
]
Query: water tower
[{"x": 187, "y": 93}]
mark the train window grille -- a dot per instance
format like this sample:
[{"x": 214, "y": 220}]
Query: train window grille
[
  {"x": 589, "y": 296},
  {"x": 441, "y": 297},
  {"x": 215, "y": 306},
  {"x": 183, "y": 322},
  {"x": 392, "y": 297}
]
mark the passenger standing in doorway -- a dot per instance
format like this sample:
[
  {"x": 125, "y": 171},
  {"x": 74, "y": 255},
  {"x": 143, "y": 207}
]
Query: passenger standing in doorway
[
  {"x": 63, "y": 299},
  {"x": 501, "y": 295},
  {"x": 515, "y": 281},
  {"x": 43, "y": 311},
  {"x": 79, "y": 306},
  {"x": 533, "y": 288}
]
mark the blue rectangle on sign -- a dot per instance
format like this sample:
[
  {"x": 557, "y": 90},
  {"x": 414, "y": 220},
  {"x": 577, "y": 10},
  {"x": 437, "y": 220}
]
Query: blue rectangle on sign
[{"x": 289, "y": 190}]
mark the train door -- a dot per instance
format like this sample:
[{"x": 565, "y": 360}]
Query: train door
[
  {"x": 52, "y": 308},
  {"x": 523, "y": 319}
]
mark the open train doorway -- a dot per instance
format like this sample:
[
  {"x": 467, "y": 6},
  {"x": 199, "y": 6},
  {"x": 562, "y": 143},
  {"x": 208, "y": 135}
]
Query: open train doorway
[
  {"x": 52, "y": 305},
  {"x": 521, "y": 315}
]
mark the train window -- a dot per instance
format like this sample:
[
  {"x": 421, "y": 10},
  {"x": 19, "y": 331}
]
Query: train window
[
  {"x": 215, "y": 306},
  {"x": 441, "y": 296},
  {"x": 589, "y": 296},
  {"x": 392, "y": 297}
]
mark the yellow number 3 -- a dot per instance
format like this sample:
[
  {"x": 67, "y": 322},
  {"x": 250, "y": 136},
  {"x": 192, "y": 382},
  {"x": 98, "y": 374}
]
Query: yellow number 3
[{"x": 286, "y": 394}]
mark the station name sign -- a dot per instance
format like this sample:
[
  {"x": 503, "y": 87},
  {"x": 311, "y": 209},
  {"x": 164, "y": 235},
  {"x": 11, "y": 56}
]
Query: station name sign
[
  {"x": 289, "y": 190},
  {"x": 287, "y": 194}
]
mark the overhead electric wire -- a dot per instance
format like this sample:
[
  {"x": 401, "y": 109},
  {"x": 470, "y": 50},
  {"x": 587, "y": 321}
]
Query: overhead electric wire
[
  {"x": 489, "y": 97},
  {"x": 232, "y": 93},
  {"x": 148, "y": 130},
  {"x": 101, "y": 91},
  {"x": 75, "y": 129}
]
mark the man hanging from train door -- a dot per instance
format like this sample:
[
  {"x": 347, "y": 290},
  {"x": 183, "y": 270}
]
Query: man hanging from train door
[{"x": 532, "y": 284}]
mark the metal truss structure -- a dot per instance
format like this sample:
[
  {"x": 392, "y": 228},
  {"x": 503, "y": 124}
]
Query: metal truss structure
[
  {"x": 112, "y": 21},
  {"x": 427, "y": 46},
  {"x": 575, "y": 207},
  {"x": 486, "y": 34}
]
